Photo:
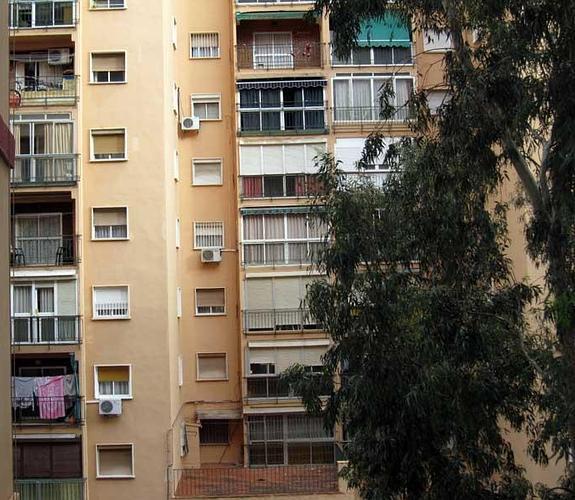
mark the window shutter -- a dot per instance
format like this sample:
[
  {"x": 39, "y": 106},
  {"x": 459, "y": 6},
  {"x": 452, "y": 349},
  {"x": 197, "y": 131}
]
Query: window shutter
[
  {"x": 109, "y": 294},
  {"x": 212, "y": 366},
  {"x": 349, "y": 151},
  {"x": 207, "y": 173},
  {"x": 273, "y": 159},
  {"x": 210, "y": 297},
  {"x": 113, "y": 374},
  {"x": 294, "y": 158},
  {"x": 109, "y": 216},
  {"x": 115, "y": 460},
  {"x": 108, "y": 142},
  {"x": 311, "y": 151},
  {"x": 251, "y": 160},
  {"x": 259, "y": 294},
  {"x": 108, "y": 62},
  {"x": 286, "y": 293}
]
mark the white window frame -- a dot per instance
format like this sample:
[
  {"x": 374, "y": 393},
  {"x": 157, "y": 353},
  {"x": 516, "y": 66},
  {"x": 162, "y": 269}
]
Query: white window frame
[
  {"x": 374, "y": 92},
  {"x": 111, "y": 445},
  {"x": 196, "y": 161},
  {"x": 99, "y": 396},
  {"x": 102, "y": 160},
  {"x": 219, "y": 48},
  {"x": 273, "y": 57},
  {"x": 210, "y": 313},
  {"x": 342, "y": 64},
  {"x": 111, "y": 239},
  {"x": 207, "y": 99},
  {"x": 124, "y": 52},
  {"x": 212, "y": 354},
  {"x": 214, "y": 223},
  {"x": 109, "y": 7},
  {"x": 110, "y": 318}
]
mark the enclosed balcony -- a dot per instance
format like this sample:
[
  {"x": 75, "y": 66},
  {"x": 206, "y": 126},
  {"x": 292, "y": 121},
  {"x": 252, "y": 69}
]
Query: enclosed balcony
[
  {"x": 290, "y": 107},
  {"x": 43, "y": 232},
  {"x": 279, "y": 320},
  {"x": 268, "y": 387},
  {"x": 49, "y": 489},
  {"x": 44, "y": 150},
  {"x": 29, "y": 14},
  {"x": 48, "y": 329}
]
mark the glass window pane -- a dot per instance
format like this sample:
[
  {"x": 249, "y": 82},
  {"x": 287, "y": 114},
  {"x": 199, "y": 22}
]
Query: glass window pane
[
  {"x": 273, "y": 186},
  {"x": 361, "y": 55},
  {"x": 383, "y": 55},
  {"x": 293, "y": 97}
]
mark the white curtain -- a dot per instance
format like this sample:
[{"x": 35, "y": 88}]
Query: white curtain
[
  {"x": 403, "y": 90},
  {"x": 342, "y": 101},
  {"x": 45, "y": 297},
  {"x": 253, "y": 227},
  {"x": 22, "y": 300},
  {"x": 274, "y": 227},
  {"x": 296, "y": 226}
]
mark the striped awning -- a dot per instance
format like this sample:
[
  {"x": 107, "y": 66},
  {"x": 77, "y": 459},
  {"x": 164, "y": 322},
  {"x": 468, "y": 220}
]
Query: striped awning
[
  {"x": 280, "y": 84},
  {"x": 259, "y": 16}
]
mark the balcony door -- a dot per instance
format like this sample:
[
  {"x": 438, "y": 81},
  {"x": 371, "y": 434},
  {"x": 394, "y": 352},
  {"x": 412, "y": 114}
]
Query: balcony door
[
  {"x": 39, "y": 236},
  {"x": 34, "y": 311},
  {"x": 273, "y": 51}
]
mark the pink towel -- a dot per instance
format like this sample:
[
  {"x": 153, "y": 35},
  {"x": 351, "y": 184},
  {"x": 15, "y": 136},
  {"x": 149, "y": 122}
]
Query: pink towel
[{"x": 51, "y": 398}]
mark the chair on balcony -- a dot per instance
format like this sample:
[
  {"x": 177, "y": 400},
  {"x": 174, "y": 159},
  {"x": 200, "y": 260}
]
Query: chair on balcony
[
  {"x": 17, "y": 257},
  {"x": 64, "y": 254}
]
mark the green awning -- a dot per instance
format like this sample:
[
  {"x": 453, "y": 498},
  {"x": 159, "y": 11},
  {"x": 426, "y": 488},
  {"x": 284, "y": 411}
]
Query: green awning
[
  {"x": 389, "y": 31},
  {"x": 259, "y": 16}
]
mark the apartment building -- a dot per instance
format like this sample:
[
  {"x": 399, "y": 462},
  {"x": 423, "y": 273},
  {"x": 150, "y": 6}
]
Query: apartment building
[{"x": 162, "y": 237}]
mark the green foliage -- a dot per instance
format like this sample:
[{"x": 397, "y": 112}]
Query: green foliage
[{"x": 426, "y": 318}]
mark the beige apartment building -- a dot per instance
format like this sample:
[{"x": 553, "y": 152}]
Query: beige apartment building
[{"x": 162, "y": 238}]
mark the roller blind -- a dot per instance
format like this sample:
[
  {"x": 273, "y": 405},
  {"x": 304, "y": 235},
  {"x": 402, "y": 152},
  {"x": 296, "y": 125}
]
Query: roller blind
[
  {"x": 113, "y": 374},
  {"x": 287, "y": 293},
  {"x": 284, "y": 357},
  {"x": 206, "y": 173},
  {"x": 111, "y": 61},
  {"x": 273, "y": 159},
  {"x": 251, "y": 160},
  {"x": 109, "y": 216},
  {"x": 210, "y": 297},
  {"x": 115, "y": 461},
  {"x": 279, "y": 159},
  {"x": 259, "y": 294},
  {"x": 212, "y": 366},
  {"x": 294, "y": 158},
  {"x": 108, "y": 294},
  {"x": 108, "y": 141},
  {"x": 313, "y": 150}
]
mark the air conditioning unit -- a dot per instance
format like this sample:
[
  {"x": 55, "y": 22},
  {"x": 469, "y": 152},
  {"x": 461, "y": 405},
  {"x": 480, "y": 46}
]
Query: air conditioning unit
[
  {"x": 58, "y": 57},
  {"x": 212, "y": 255},
  {"x": 110, "y": 407},
  {"x": 190, "y": 123}
]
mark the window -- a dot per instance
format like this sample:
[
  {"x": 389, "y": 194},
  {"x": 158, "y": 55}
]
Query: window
[
  {"x": 435, "y": 41},
  {"x": 215, "y": 432},
  {"x": 113, "y": 381},
  {"x": 212, "y": 366},
  {"x": 376, "y": 56},
  {"x": 108, "y": 67},
  {"x": 108, "y": 144},
  {"x": 207, "y": 172},
  {"x": 205, "y": 46},
  {"x": 110, "y": 223},
  {"x": 210, "y": 301},
  {"x": 282, "y": 107},
  {"x": 54, "y": 458},
  {"x": 288, "y": 238},
  {"x": 115, "y": 460},
  {"x": 206, "y": 106},
  {"x": 111, "y": 302},
  {"x": 357, "y": 97},
  {"x": 273, "y": 50},
  {"x": 208, "y": 235},
  {"x": 289, "y": 440},
  {"x": 108, "y": 4}
]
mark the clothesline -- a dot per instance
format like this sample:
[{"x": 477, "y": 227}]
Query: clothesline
[{"x": 48, "y": 393}]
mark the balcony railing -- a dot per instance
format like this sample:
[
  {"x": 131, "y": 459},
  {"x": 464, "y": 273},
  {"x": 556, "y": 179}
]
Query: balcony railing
[
  {"x": 46, "y": 90},
  {"x": 56, "y": 250},
  {"x": 376, "y": 177},
  {"x": 282, "y": 253},
  {"x": 280, "y": 186},
  {"x": 49, "y": 489},
  {"x": 357, "y": 115},
  {"x": 42, "y": 13},
  {"x": 46, "y": 330},
  {"x": 249, "y": 482},
  {"x": 44, "y": 170},
  {"x": 303, "y": 55},
  {"x": 279, "y": 320},
  {"x": 66, "y": 410},
  {"x": 269, "y": 387}
]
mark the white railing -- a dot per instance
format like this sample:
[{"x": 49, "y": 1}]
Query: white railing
[{"x": 111, "y": 310}]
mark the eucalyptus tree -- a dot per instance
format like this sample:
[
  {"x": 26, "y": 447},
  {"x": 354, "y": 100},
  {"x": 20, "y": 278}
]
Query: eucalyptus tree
[{"x": 434, "y": 359}]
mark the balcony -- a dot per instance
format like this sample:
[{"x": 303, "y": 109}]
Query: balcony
[
  {"x": 376, "y": 178},
  {"x": 49, "y": 489},
  {"x": 42, "y": 330},
  {"x": 65, "y": 410},
  {"x": 281, "y": 253},
  {"x": 46, "y": 90},
  {"x": 292, "y": 56},
  {"x": 272, "y": 387},
  {"x": 44, "y": 170},
  {"x": 366, "y": 115},
  {"x": 279, "y": 186},
  {"x": 250, "y": 482},
  {"x": 29, "y": 14},
  {"x": 58, "y": 250},
  {"x": 279, "y": 320}
]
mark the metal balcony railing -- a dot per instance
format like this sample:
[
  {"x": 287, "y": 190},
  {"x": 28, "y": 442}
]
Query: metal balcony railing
[
  {"x": 280, "y": 186},
  {"x": 302, "y": 55},
  {"x": 42, "y": 13},
  {"x": 282, "y": 253},
  {"x": 376, "y": 177},
  {"x": 44, "y": 170},
  {"x": 46, "y": 90},
  {"x": 45, "y": 330},
  {"x": 357, "y": 115},
  {"x": 271, "y": 386},
  {"x": 58, "y": 250},
  {"x": 49, "y": 489},
  {"x": 251, "y": 481},
  {"x": 65, "y": 410},
  {"x": 279, "y": 320}
]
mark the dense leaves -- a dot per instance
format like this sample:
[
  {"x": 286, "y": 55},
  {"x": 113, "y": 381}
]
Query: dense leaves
[{"x": 428, "y": 322}]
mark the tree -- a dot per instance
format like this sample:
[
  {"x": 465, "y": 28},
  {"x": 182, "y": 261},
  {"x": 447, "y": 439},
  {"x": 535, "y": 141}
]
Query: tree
[{"x": 436, "y": 358}]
